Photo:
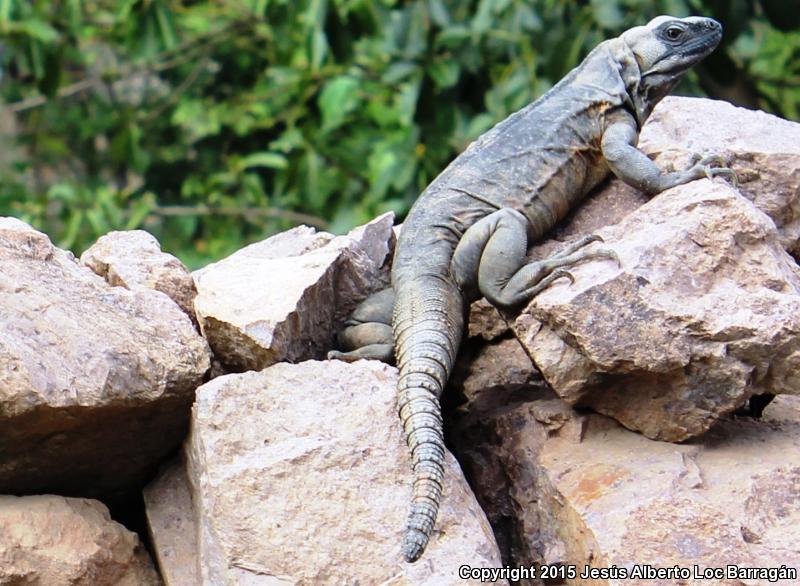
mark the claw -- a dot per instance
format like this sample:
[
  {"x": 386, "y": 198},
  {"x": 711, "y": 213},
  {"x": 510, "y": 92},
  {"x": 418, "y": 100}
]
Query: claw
[
  {"x": 609, "y": 254},
  {"x": 577, "y": 245},
  {"x": 712, "y": 172},
  {"x": 559, "y": 273},
  {"x": 717, "y": 160}
]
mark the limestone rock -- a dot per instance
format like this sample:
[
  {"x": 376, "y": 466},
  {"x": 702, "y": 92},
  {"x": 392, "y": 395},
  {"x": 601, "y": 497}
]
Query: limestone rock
[
  {"x": 284, "y": 298},
  {"x": 95, "y": 381},
  {"x": 134, "y": 259},
  {"x": 50, "y": 540},
  {"x": 300, "y": 475},
  {"x": 168, "y": 504},
  {"x": 589, "y": 492},
  {"x": 703, "y": 313},
  {"x": 763, "y": 149}
]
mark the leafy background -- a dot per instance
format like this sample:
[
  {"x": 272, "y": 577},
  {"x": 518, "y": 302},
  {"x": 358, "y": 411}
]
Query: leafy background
[{"x": 214, "y": 124}]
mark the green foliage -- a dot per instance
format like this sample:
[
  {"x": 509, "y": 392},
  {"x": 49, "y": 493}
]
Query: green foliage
[{"x": 212, "y": 124}]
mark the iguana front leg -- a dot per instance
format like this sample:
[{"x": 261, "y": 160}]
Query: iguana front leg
[
  {"x": 634, "y": 167},
  {"x": 490, "y": 260}
]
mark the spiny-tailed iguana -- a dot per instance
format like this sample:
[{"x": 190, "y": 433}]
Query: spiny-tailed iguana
[{"x": 468, "y": 232}]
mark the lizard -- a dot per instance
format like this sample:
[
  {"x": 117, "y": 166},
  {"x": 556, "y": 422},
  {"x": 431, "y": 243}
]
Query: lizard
[{"x": 468, "y": 232}]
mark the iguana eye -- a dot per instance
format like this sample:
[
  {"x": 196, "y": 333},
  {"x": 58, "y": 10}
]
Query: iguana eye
[{"x": 673, "y": 33}]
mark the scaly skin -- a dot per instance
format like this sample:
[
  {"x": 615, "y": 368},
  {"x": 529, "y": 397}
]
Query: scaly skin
[{"x": 468, "y": 233}]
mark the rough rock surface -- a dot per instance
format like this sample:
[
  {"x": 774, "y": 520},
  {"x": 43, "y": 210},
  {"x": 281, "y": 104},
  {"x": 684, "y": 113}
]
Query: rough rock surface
[
  {"x": 586, "y": 491},
  {"x": 299, "y": 475},
  {"x": 168, "y": 505},
  {"x": 284, "y": 298},
  {"x": 95, "y": 381},
  {"x": 763, "y": 149},
  {"x": 134, "y": 259},
  {"x": 51, "y": 540},
  {"x": 703, "y": 312},
  {"x": 485, "y": 321}
]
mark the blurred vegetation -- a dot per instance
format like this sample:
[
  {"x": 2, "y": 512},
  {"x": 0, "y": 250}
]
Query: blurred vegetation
[{"x": 213, "y": 124}]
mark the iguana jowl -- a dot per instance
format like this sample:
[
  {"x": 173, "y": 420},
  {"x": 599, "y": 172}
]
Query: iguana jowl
[{"x": 468, "y": 232}]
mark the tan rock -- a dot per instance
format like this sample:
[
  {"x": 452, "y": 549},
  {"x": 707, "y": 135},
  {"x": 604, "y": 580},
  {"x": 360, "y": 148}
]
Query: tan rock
[
  {"x": 170, "y": 517},
  {"x": 592, "y": 493},
  {"x": 51, "y": 540},
  {"x": 95, "y": 381},
  {"x": 134, "y": 259},
  {"x": 703, "y": 312},
  {"x": 763, "y": 149},
  {"x": 299, "y": 475},
  {"x": 284, "y": 298}
]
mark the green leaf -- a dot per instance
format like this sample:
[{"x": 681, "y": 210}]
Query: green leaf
[
  {"x": 165, "y": 26},
  {"x": 263, "y": 159},
  {"x": 338, "y": 98},
  {"x": 6, "y": 6},
  {"x": 444, "y": 72},
  {"x": 35, "y": 29}
]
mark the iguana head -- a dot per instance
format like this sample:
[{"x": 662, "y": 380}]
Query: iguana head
[{"x": 659, "y": 54}]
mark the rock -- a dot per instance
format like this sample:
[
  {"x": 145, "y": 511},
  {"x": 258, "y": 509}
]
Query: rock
[
  {"x": 763, "y": 149},
  {"x": 703, "y": 313},
  {"x": 300, "y": 474},
  {"x": 50, "y": 540},
  {"x": 589, "y": 492},
  {"x": 485, "y": 321},
  {"x": 168, "y": 504},
  {"x": 489, "y": 375},
  {"x": 284, "y": 298},
  {"x": 134, "y": 259},
  {"x": 95, "y": 381}
]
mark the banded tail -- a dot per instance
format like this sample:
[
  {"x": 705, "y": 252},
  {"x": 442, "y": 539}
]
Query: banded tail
[{"x": 428, "y": 325}]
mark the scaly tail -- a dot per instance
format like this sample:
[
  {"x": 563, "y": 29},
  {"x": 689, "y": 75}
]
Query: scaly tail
[{"x": 428, "y": 325}]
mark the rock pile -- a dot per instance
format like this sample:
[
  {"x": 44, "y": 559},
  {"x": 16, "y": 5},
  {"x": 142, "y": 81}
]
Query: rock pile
[{"x": 277, "y": 467}]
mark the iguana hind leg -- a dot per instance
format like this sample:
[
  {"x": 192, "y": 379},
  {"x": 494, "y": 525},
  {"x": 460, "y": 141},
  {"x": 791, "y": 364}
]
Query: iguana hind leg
[
  {"x": 490, "y": 260},
  {"x": 367, "y": 333}
]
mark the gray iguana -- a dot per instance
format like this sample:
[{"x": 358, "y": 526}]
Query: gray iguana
[{"x": 468, "y": 233}]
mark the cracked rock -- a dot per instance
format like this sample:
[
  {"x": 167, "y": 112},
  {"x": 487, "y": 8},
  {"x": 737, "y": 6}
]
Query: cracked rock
[{"x": 283, "y": 299}]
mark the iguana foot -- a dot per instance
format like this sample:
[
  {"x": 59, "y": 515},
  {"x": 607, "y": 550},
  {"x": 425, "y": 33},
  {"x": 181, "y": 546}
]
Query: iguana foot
[
  {"x": 368, "y": 331},
  {"x": 382, "y": 352},
  {"x": 490, "y": 259},
  {"x": 711, "y": 166},
  {"x": 536, "y": 276}
]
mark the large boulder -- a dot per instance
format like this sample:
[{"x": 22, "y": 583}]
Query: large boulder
[
  {"x": 95, "y": 381},
  {"x": 300, "y": 474},
  {"x": 50, "y": 540},
  {"x": 702, "y": 312},
  {"x": 284, "y": 298},
  {"x": 584, "y": 492}
]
